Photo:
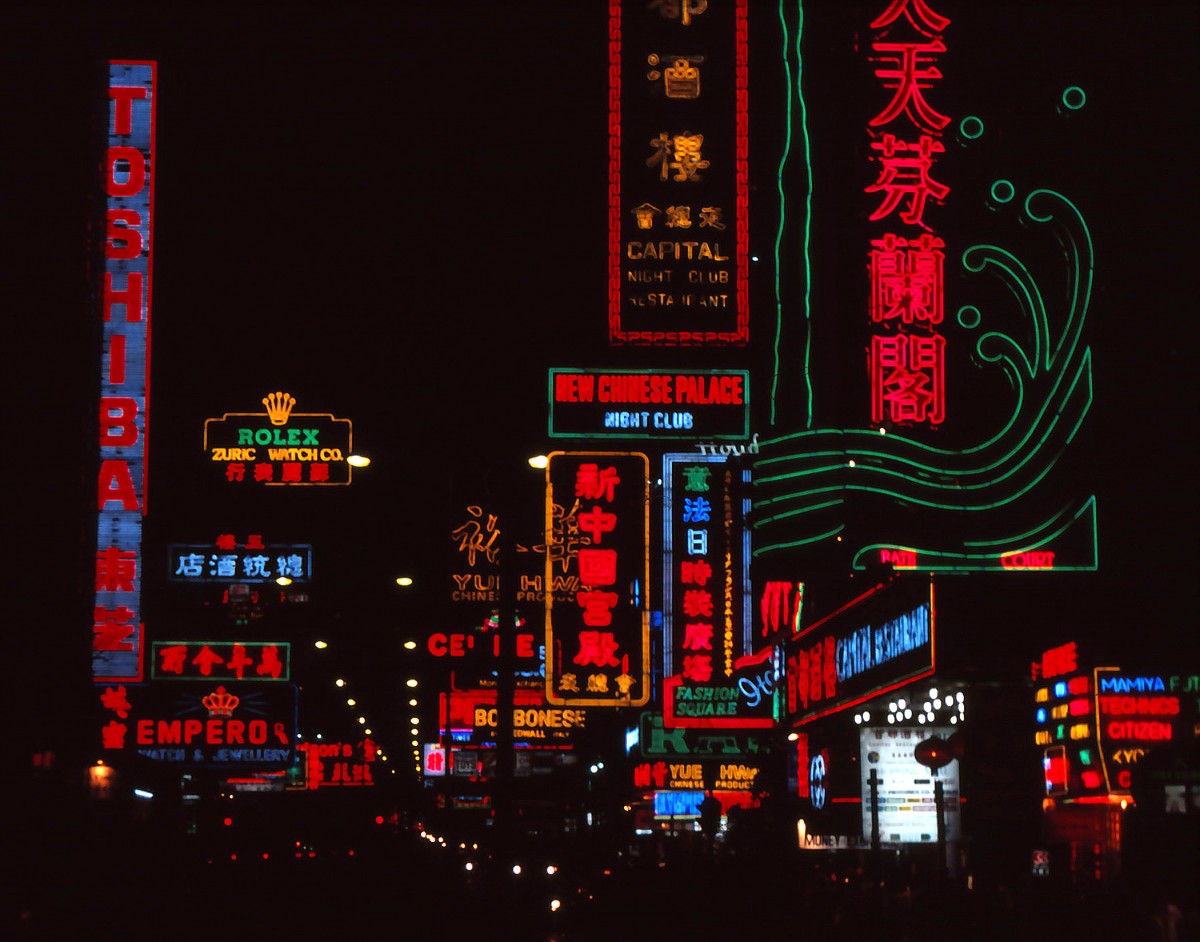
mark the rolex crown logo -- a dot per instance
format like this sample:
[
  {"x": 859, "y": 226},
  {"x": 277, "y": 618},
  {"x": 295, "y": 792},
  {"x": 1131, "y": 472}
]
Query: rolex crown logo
[
  {"x": 220, "y": 702},
  {"x": 279, "y": 407}
]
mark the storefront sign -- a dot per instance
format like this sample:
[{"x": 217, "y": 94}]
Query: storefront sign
[
  {"x": 224, "y": 660},
  {"x": 222, "y": 724},
  {"x": 654, "y": 404},
  {"x": 678, "y": 173},
  {"x": 280, "y": 446},
  {"x": 129, "y": 176},
  {"x": 598, "y": 529},
  {"x": 877, "y": 642}
]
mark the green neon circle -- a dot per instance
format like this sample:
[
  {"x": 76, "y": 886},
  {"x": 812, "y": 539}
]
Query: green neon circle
[
  {"x": 971, "y": 127},
  {"x": 969, "y": 316},
  {"x": 1003, "y": 191},
  {"x": 1074, "y": 98}
]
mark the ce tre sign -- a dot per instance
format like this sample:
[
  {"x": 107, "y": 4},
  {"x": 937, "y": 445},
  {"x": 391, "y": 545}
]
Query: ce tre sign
[{"x": 461, "y": 644}]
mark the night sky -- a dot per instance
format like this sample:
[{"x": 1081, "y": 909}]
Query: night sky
[{"x": 400, "y": 218}]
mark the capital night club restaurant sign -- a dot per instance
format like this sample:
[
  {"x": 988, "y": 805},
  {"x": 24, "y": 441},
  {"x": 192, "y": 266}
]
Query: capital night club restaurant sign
[
  {"x": 678, "y": 173},
  {"x": 222, "y": 724},
  {"x": 124, "y": 367},
  {"x": 598, "y": 527},
  {"x": 875, "y": 643},
  {"x": 649, "y": 404},
  {"x": 280, "y": 447}
]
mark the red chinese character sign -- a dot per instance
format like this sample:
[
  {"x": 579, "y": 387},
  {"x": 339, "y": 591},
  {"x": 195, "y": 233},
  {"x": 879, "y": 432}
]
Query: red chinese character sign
[
  {"x": 598, "y": 529},
  {"x": 224, "y": 660},
  {"x": 939, "y": 461},
  {"x": 907, "y": 351},
  {"x": 222, "y": 724},
  {"x": 280, "y": 447},
  {"x": 678, "y": 173},
  {"x": 124, "y": 390},
  {"x": 338, "y": 764}
]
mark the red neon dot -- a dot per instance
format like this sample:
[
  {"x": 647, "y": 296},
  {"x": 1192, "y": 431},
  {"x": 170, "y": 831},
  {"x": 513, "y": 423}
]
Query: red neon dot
[{"x": 228, "y": 821}]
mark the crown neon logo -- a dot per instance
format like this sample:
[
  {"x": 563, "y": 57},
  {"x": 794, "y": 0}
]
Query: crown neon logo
[
  {"x": 220, "y": 703},
  {"x": 279, "y": 406}
]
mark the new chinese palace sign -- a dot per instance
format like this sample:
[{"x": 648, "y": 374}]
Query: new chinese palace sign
[
  {"x": 598, "y": 643},
  {"x": 649, "y": 404},
  {"x": 280, "y": 446},
  {"x": 678, "y": 172}
]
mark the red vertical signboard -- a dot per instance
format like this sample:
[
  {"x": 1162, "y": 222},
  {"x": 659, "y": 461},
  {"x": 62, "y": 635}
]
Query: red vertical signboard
[
  {"x": 124, "y": 372},
  {"x": 598, "y": 530}
]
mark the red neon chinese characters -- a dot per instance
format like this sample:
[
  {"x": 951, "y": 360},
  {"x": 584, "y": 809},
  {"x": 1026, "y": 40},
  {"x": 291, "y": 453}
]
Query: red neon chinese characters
[
  {"x": 908, "y": 378},
  {"x": 913, "y": 10},
  {"x": 598, "y": 648},
  {"x": 907, "y": 365},
  {"x": 906, "y": 176},
  {"x": 908, "y": 80},
  {"x": 906, "y": 280}
]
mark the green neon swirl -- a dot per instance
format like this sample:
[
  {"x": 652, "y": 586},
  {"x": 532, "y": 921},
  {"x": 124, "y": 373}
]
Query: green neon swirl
[
  {"x": 1043, "y": 535},
  {"x": 985, "y": 476}
]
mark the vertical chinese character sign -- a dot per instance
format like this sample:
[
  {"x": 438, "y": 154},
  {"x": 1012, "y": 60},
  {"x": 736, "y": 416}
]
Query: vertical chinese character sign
[
  {"x": 598, "y": 531},
  {"x": 907, "y": 351},
  {"x": 124, "y": 367},
  {"x": 678, "y": 172}
]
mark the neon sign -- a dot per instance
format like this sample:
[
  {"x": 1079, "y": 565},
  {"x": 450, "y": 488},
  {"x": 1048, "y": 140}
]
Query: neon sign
[
  {"x": 265, "y": 448},
  {"x": 124, "y": 370},
  {"x": 877, "y": 642},
  {"x": 229, "y": 660},
  {"x": 221, "y": 724},
  {"x": 338, "y": 764},
  {"x": 678, "y": 171},
  {"x": 251, "y": 562},
  {"x": 977, "y": 506},
  {"x": 649, "y": 404},
  {"x": 598, "y": 643}
]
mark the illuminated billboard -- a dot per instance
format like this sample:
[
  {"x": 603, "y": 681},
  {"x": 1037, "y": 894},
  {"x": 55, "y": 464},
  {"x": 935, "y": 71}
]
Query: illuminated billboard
[
  {"x": 224, "y": 660},
  {"x": 1096, "y": 726},
  {"x": 713, "y": 674},
  {"x": 280, "y": 447},
  {"x": 678, "y": 169},
  {"x": 598, "y": 529},
  {"x": 955, "y": 447},
  {"x": 473, "y": 714},
  {"x": 905, "y": 799},
  {"x": 221, "y": 724},
  {"x": 129, "y": 175},
  {"x": 225, "y": 560},
  {"x": 649, "y": 404},
  {"x": 874, "y": 643},
  {"x": 338, "y": 764}
]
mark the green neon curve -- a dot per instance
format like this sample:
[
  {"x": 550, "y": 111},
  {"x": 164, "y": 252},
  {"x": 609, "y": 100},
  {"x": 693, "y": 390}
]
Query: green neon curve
[
  {"x": 995, "y": 472},
  {"x": 1043, "y": 535},
  {"x": 783, "y": 160}
]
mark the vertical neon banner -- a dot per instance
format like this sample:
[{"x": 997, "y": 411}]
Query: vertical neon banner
[
  {"x": 598, "y": 531},
  {"x": 124, "y": 371}
]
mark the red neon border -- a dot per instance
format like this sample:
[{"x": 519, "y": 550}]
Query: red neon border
[
  {"x": 741, "y": 195},
  {"x": 901, "y": 682}
]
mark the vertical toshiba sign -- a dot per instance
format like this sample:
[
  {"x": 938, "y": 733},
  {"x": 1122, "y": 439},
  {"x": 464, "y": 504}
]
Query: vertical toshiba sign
[{"x": 124, "y": 371}]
